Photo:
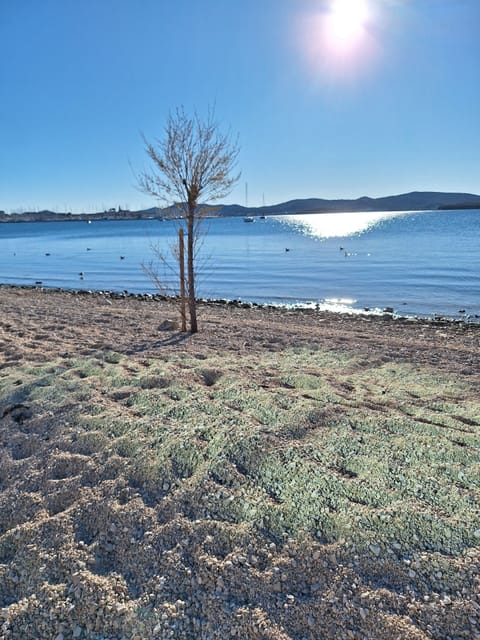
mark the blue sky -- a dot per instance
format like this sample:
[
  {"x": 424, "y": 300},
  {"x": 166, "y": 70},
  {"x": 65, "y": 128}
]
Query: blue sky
[{"x": 330, "y": 98}]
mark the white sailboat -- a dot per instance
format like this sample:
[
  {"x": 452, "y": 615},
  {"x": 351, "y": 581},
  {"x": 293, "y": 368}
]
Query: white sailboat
[{"x": 247, "y": 218}]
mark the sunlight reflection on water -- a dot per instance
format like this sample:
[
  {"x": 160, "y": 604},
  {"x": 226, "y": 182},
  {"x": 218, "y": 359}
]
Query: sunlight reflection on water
[{"x": 337, "y": 225}]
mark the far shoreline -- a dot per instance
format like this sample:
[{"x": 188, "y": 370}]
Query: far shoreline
[{"x": 133, "y": 216}]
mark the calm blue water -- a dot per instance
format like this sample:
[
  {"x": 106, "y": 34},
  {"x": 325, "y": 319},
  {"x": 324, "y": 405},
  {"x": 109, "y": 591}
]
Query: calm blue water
[{"x": 418, "y": 263}]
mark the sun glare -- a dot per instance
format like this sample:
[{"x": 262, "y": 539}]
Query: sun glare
[
  {"x": 346, "y": 22},
  {"x": 340, "y": 38}
]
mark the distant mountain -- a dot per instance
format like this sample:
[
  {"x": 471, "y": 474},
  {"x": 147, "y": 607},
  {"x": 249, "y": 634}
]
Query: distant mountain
[{"x": 414, "y": 201}]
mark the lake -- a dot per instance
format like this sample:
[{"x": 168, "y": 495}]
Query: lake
[{"x": 418, "y": 263}]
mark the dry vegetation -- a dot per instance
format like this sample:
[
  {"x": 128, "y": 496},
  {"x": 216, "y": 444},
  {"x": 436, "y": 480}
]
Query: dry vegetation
[{"x": 277, "y": 476}]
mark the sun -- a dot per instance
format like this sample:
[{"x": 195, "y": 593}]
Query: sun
[
  {"x": 346, "y": 23},
  {"x": 341, "y": 39}
]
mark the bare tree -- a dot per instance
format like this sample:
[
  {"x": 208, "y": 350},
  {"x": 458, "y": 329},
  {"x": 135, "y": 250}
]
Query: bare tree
[{"x": 192, "y": 164}]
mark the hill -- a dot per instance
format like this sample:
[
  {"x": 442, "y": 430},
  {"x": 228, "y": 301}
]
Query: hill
[{"x": 414, "y": 201}]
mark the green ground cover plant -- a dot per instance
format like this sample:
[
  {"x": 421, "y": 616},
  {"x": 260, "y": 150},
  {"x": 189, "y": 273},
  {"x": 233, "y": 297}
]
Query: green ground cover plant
[{"x": 299, "y": 448}]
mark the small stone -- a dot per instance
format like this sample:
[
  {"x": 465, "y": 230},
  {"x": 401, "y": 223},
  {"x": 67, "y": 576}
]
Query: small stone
[{"x": 168, "y": 325}]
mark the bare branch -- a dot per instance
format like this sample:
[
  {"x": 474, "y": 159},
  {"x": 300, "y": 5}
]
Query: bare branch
[{"x": 193, "y": 163}]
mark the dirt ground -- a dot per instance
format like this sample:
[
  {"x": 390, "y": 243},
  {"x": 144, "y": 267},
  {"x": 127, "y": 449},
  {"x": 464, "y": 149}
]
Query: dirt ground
[
  {"x": 38, "y": 324},
  {"x": 159, "y": 485}
]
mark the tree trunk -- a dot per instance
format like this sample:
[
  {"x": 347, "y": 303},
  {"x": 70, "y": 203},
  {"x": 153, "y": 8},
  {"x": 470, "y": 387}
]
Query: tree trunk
[
  {"x": 183, "y": 297},
  {"x": 191, "y": 269}
]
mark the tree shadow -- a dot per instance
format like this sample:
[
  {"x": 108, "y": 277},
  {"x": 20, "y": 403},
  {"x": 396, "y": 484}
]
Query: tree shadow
[{"x": 169, "y": 341}]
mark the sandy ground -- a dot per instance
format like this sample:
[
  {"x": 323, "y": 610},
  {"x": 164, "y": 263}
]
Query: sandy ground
[
  {"x": 40, "y": 325},
  {"x": 85, "y": 554}
]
